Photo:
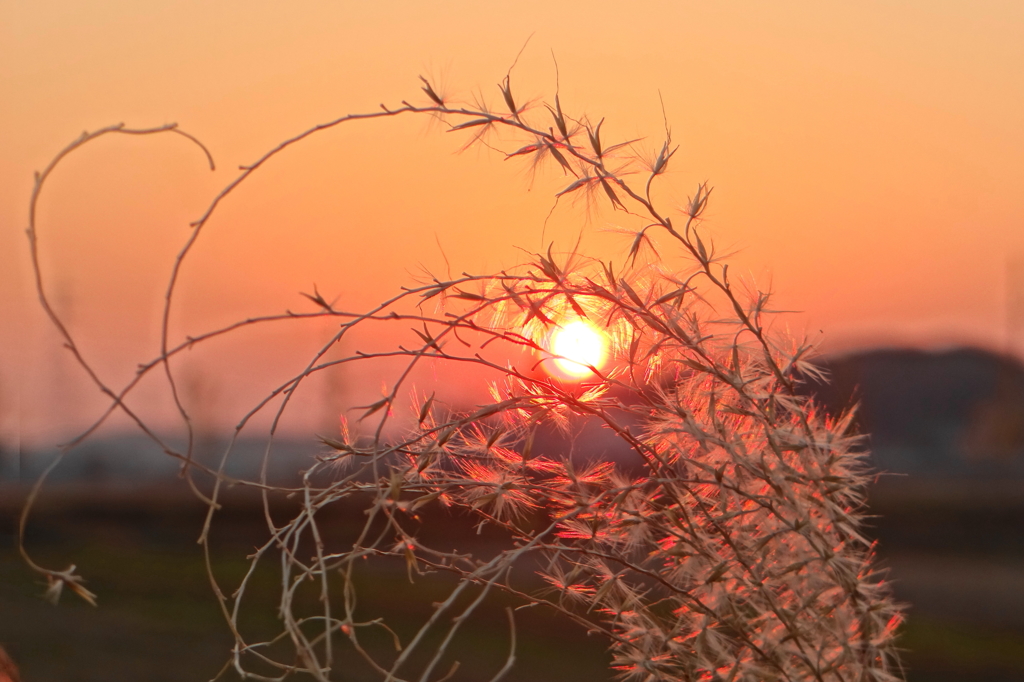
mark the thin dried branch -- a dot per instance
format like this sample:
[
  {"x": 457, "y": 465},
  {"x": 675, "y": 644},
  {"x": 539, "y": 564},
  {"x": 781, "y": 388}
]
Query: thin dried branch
[{"x": 734, "y": 552}]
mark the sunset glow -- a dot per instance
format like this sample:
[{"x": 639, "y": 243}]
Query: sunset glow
[
  {"x": 846, "y": 176},
  {"x": 578, "y": 346}
]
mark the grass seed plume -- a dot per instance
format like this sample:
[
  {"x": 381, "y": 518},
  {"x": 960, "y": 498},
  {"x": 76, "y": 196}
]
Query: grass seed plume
[{"x": 732, "y": 552}]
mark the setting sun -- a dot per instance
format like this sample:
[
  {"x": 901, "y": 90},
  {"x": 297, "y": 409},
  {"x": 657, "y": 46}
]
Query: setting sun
[{"x": 578, "y": 346}]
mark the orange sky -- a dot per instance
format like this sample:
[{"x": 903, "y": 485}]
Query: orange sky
[{"x": 867, "y": 158}]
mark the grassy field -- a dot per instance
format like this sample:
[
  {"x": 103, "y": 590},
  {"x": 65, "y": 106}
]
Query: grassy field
[
  {"x": 960, "y": 568},
  {"x": 157, "y": 619}
]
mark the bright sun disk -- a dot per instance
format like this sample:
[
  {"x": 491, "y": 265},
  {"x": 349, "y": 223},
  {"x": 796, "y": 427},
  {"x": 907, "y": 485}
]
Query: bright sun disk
[{"x": 578, "y": 345}]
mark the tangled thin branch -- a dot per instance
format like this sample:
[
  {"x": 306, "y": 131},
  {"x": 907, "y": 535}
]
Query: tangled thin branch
[{"x": 732, "y": 552}]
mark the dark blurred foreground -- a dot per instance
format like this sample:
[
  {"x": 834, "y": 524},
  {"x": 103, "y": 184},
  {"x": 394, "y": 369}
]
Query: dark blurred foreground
[
  {"x": 947, "y": 430},
  {"x": 956, "y": 557},
  {"x": 157, "y": 619}
]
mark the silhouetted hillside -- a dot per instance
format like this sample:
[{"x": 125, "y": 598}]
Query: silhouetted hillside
[{"x": 957, "y": 412}]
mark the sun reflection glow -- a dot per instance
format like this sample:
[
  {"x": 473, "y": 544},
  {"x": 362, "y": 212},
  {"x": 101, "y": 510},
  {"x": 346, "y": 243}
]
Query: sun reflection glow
[{"x": 578, "y": 346}]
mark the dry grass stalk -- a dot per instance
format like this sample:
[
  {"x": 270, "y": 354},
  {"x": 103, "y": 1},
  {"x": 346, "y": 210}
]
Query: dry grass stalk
[{"x": 735, "y": 555}]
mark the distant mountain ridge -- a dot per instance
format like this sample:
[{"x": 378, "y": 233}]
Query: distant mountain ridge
[{"x": 955, "y": 412}]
